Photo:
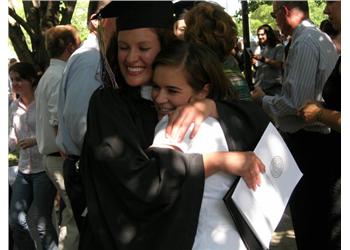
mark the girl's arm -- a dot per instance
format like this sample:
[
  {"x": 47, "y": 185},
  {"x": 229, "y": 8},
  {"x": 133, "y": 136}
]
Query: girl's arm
[{"x": 196, "y": 112}]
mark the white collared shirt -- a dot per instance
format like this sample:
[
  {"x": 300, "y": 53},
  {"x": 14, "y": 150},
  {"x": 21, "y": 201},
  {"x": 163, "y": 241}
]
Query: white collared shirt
[{"x": 46, "y": 96}]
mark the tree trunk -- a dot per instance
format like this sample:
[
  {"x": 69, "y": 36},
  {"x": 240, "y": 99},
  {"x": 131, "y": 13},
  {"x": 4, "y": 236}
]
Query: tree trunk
[{"x": 39, "y": 16}]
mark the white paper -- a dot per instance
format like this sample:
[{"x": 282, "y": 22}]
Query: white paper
[{"x": 263, "y": 208}]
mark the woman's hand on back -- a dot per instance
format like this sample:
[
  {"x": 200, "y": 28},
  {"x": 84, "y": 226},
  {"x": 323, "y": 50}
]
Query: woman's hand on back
[{"x": 182, "y": 118}]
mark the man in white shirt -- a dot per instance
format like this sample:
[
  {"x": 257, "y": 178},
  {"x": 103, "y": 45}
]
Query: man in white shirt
[
  {"x": 81, "y": 77},
  {"x": 60, "y": 41},
  {"x": 311, "y": 59}
]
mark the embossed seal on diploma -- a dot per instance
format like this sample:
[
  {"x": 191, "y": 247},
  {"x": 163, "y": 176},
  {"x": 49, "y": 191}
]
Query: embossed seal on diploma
[{"x": 276, "y": 166}]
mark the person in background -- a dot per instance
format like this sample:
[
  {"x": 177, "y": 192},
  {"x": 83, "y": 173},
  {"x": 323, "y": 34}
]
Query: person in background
[
  {"x": 310, "y": 61},
  {"x": 327, "y": 27},
  {"x": 135, "y": 195},
  {"x": 11, "y": 94},
  {"x": 11, "y": 97},
  {"x": 268, "y": 61},
  {"x": 32, "y": 187},
  {"x": 60, "y": 42},
  {"x": 328, "y": 112},
  {"x": 185, "y": 72},
  {"x": 81, "y": 77},
  {"x": 206, "y": 19},
  {"x": 180, "y": 9}
]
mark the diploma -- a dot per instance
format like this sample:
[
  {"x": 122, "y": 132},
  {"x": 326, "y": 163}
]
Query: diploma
[{"x": 263, "y": 209}]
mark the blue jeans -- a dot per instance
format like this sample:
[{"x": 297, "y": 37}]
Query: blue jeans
[{"x": 33, "y": 190}]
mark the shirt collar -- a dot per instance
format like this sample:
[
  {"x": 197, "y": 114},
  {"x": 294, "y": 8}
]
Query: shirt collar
[
  {"x": 55, "y": 61},
  {"x": 303, "y": 25}
]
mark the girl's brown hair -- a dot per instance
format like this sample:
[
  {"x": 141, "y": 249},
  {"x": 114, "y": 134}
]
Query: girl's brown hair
[
  {"x": 201, "y": 65},
  {"x": 25, "y": 71}
]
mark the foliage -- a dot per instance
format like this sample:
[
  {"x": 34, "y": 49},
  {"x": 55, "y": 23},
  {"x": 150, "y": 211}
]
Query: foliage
[
  {"x": 26, "y": 29},
  {"x": 26, "y": 34},
  {"x": 13, "y": 158},
  {"x": 259, "y": 14},
  {"x": 79, "y": 19}
]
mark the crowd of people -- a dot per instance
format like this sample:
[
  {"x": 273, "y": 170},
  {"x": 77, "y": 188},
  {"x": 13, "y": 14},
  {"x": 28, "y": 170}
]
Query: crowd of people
[{"x": 142, "y": 129}]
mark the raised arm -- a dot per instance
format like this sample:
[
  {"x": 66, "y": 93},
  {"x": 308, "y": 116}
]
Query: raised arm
[{"x": 183, "y": 117}]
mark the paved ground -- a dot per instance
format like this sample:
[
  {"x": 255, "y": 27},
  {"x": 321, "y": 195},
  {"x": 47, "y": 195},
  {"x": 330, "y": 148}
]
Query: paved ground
[{"x": 283, "y": 238}]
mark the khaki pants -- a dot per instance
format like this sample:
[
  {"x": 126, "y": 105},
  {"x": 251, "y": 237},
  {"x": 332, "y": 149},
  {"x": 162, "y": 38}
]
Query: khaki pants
[{"x": 69, "y": 234}]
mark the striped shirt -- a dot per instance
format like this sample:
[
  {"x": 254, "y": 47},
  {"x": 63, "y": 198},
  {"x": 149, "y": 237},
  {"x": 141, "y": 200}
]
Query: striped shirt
[{"x": 311, "y": 59}]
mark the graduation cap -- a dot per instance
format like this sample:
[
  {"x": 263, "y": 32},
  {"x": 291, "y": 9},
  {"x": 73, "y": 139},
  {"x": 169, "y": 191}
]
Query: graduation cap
[
  {"x": 139, "y": 14},
  {"x": 181, "y": 7}
]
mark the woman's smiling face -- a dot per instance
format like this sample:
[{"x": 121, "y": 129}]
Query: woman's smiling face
[
  {"x": 171, "y": 89},
  {"x": 137, "y": 49},
  {"x": 20, "y": 85}
]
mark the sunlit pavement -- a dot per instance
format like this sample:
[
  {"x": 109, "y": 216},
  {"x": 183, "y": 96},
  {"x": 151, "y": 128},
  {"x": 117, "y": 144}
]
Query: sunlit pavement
[{"x": 283, "y": 237}]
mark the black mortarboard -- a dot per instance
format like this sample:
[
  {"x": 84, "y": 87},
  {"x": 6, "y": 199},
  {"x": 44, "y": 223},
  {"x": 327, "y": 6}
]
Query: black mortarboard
[
  {"x": 181, "y": 7},
  {"x": 139, "y": 14}
]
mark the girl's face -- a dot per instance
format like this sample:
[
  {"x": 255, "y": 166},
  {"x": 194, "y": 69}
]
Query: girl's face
[
  {"x": 171, "y": 89},
  {"x": 137, "y": 49},
  {"x": 262, "y": 36},
  {"x": 19, "y": 85}
]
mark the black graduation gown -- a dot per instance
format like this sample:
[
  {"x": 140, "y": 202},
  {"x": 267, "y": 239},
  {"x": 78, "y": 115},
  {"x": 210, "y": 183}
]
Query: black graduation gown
[
  {"x": 243, "y": 123},
  {"x": 147, "y": 199},
  {"x": 137, "y": 198},
  {"x": 332, "y": 97}
]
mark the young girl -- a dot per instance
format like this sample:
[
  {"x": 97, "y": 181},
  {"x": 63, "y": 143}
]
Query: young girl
[
  {"x": 183, "y": 73},
  {"x": 32, "y": 186}
]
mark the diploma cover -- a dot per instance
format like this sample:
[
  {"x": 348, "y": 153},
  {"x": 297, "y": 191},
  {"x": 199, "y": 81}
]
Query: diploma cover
[
  {"x": 248, "y": 236},
  {"x": 256, "y": 214}
]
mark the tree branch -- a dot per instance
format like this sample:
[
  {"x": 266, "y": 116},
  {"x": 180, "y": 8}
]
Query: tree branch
[
  {"x": 68, "y": 11},
  {"x": 51, "y": 15},
  {"x": 19, "y": 44},
  {"x": 21, "y": 22}
]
